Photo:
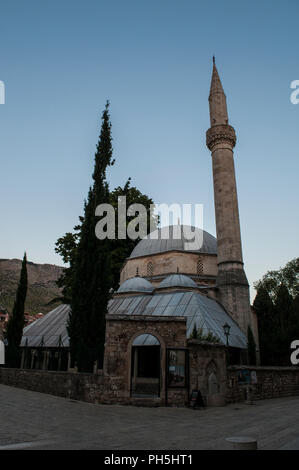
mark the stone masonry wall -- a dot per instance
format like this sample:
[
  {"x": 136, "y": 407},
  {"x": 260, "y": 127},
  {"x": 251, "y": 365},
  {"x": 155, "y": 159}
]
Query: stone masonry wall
[
  {"x": 76, "y": 386},
  {"x": 272, "y": 382},
  {"x": 121, "y": 330}
]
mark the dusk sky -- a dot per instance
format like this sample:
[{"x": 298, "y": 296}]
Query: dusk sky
[{"x": 61, "y": 60}]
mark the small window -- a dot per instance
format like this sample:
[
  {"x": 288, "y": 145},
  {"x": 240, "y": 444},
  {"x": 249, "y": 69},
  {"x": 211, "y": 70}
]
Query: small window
[
  {"x": 200, "y": 266},
  {"x": 150, "y": 269}
]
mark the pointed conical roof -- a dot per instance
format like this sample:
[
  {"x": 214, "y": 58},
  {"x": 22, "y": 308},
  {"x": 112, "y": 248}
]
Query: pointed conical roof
[
  {"x": 217, "y": 100},
  {"x": 216, "y": 85}
]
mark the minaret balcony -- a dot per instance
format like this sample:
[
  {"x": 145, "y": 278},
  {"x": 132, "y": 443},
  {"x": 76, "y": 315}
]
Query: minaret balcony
[{"x": 221, "y": 133}]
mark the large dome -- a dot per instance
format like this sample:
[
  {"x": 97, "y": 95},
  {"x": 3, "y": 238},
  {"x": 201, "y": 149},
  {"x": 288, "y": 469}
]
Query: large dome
[{"x": 159, "y": 241}]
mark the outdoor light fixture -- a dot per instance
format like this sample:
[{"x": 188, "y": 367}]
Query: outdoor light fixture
[{"x": 226, "y": 329}]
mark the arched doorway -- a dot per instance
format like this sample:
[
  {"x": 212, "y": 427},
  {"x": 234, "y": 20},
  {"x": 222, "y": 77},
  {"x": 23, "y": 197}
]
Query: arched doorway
[{"x": 145, "y": 368}]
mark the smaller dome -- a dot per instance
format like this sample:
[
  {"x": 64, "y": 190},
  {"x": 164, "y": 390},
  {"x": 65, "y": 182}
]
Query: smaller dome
[
  {"x": 135, "y": 284},
  {"x": 178, "y": 280}
]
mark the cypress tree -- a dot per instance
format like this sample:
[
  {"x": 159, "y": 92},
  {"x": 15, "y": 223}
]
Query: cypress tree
[
  {"x": 293, "y": 330},
  {"x": 251, "y": 347},
  {"x": 92, "y": 278},
  {"x": 283, "y": 310},
  {"x": 15, "y": 323},
  {"x": 268, "y": 325}
]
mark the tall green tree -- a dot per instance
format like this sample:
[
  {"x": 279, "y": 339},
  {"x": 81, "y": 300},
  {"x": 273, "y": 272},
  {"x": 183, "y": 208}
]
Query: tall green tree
[
  {"x": 251, "y": 347},
  {"x": 277, "y": 307},
  {"x": 91, "y": 269},
  {"x": 15, "y": 323},
  {"x": 283, "y": 310},
  {"x": 268, "y": 325}
]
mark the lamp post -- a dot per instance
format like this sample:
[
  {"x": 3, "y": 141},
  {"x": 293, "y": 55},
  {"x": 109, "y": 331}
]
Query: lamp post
[{"x": 226, "y": 329}]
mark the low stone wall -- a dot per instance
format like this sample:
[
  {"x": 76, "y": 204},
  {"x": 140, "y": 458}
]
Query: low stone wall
[
  {"x": 76, "y": 386},
  {"x": 272, "y": 382}
]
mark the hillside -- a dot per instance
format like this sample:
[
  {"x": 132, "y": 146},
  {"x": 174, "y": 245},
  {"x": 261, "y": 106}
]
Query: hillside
[{"x": 42, "y": 288}]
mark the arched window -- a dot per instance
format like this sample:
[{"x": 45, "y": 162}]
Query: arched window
[
  {"x": 200, "y": 266},
  {"x": 150, "y": 269}
]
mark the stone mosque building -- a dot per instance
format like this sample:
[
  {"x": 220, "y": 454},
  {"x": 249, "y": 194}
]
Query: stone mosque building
[{"x": 164, "y": 291}]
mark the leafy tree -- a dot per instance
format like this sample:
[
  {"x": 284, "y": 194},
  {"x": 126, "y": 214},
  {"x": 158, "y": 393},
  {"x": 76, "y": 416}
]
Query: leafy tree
[
  {"x": 66, "y": 248},
  {"x": 268, "y": 325},
  {"x": 15, "y": 323},
  {"x": 293, "y": 328},
  {"x": 251, "y": 347},
  {"x": 278, "y": 314},
  {"x": 122, "y": 248},
  {"x": 288, "y": 276},
  {"x": 283, "y": 309},
  {"x": 91, "y": 278}
]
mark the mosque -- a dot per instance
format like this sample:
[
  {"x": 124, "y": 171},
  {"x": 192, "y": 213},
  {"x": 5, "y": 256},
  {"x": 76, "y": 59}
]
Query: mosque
[{"x": 166, "y": 293}]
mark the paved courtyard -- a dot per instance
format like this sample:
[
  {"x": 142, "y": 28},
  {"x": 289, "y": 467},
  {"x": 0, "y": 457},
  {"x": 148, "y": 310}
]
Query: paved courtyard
[{"x": 31, "y": 420}]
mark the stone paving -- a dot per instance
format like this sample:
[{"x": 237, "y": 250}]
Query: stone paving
[{"x": 31, "y": 420}]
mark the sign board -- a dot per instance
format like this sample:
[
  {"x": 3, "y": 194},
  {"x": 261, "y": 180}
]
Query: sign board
[
  {"x": 244, "y": 377},
  {"x": 247, "y": 377},
  {"x": 176, "y": 367}
]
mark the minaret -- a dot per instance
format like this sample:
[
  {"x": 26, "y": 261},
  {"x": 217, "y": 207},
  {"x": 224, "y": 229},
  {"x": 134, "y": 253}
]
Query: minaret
[{"x": 231, "y": 281}]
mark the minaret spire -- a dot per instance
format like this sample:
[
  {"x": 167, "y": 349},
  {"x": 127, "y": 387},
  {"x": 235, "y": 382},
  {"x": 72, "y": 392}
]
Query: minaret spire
[
  {"x": 232, "y": 283},
  {"x": 217, "y": 99}
]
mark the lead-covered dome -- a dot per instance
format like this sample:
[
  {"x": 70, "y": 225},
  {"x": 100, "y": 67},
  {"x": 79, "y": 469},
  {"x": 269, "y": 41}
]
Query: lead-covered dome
[
  {"x": 176, "y": 237},
  {"x": 178, "y": 280},
  {"x": 135, "y": 284}
]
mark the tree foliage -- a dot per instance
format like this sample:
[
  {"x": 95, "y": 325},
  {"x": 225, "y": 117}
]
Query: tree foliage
[
  {"x": 15, "y": 323},
  {"x": 94, "y": 265},
  {"x": 277, "y": 307},
  {"x": 90, "y": 275},
  {"x": 251, "y": 347},
  {"x": 288, "y": 276},
  {"x": 122, "y": 248}
]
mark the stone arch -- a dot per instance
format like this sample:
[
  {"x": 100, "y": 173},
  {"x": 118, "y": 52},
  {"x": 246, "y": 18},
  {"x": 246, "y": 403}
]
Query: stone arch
[{"x": 145, "y": 331}]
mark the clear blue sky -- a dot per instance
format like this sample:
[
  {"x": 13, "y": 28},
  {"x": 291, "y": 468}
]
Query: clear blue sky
[{"x": 61, "y": 60}]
